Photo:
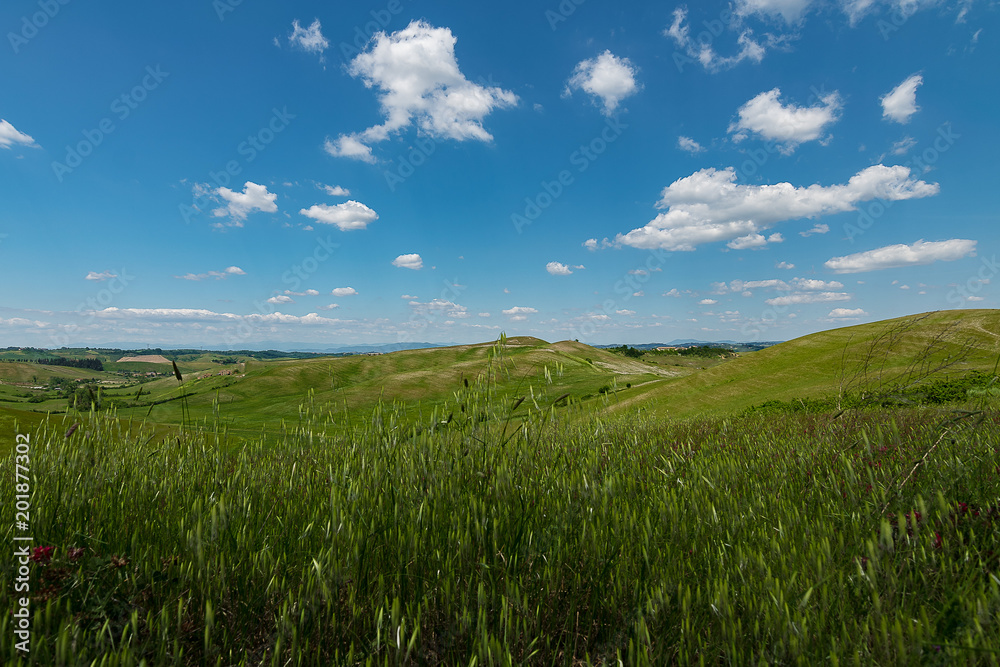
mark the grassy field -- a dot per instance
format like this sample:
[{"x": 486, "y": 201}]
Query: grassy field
[
  {"x": 471, "y": 513},
  {"x": 800, "y": 540}
]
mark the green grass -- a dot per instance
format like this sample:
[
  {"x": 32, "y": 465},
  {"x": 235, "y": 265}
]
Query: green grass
[
  {"x": 731, "y": 541},
  {"x": 818, "y": 365}
]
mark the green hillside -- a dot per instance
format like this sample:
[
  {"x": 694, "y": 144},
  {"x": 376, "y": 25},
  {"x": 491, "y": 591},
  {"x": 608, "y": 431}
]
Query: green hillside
[{"x": 822, "y": 364}]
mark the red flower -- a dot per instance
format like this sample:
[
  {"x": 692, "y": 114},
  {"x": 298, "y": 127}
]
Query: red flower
[
  {"x": 42, "y": 555},
  {"x": 937, "y": 540}
]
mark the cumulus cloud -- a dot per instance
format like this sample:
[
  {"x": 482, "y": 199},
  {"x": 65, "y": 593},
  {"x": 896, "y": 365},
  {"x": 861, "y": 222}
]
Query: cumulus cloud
[
  {"x": 309, "y": 39},
  {"x": 308, "y": 292},
  {"x": 895, "y": 256},
  {"x": 334, "y": 190},
  {"x": 240, "y": 204},
  {"x": 216, "y": 275},
  {"x": 281, "y": 298},
  {"x": 709, "y": 206},
  {"x": 784, "y": 265},
  {"x": 557, "y": 269},
  {"x": 749, "y": 241},
  {"x": 847, "y": 313},
  {"x": 100, "y": 277},
  {"x": 818, "y": 228},
  {"x": 519, "y": 313},
  {"x": 410, "y": 261},
  {"x": 702, "y": 52},
  {"x": 788, "y": 124},
  {"x": 808, "y": 297},
  {"x": 439, "y": 307},
  {"x": 9, "y": 135},
  {"x": 607, "y": 78},
  {"x": 901, "y": 102},
  {"x": 688, "y": 144},
  {"x": 344, "y": 291},
  {"x": 418, "y": 82},
  {"x": 707, "y": 302},
  {"x": 350, "y": 215}
]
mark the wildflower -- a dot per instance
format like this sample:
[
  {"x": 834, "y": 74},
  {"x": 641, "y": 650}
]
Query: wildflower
[
  {"x": 76, "y": 553},
  {"x": 119, "y": 561},
  {"x": 42, "y": 555}
]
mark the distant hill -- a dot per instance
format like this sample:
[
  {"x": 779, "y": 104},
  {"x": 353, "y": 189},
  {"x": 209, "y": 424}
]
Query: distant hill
[{"x": 821, "y": 364}]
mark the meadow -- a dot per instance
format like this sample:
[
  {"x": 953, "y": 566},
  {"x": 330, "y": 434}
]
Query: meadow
[{"x": 505, "y": 525}]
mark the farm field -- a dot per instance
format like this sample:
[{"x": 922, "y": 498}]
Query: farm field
[{"x": 520, "y": 515}]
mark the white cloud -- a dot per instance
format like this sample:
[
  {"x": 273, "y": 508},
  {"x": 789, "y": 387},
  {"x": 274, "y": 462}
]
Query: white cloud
[
  {"x": 688, "y": 144},
  {"x": 330, "y": 306},
  {"x": 788, "y": 124},
  {"x": 814, "y": 284},
  {"x": 281, "y": 298},
  {"x": 198, "y": 314},
  {"x": 408, "y": 297},
  {"x": 344, "y": 291},
  {"x": 818, "y": 228},
  {"x": 334, "y": 190},
  {"x": 749, "y": 241},
  {"x": 607, "y": 77},
  {"x": 903, "y": 145},
  {"x": 975, "y": 298},
  {"x": 901, "y": 102},
  {"x": 625, "y": 312},
  {"x": 672, "y": 293},
  {"x": 9, "y": 135},
  {"x": 901, "y": 9},
  {"x": 790, "y": 10},
  {"x": 100, "y": 277},
  {"x": 894, "y": 256},
  {"x": 418, "y": 81},
  {"x": 784, "y": 265},
  {"x": 308, "y": 292},
  {"x": 411, "y": 261},
  {"x": 707, "y": 302},
  {"x": 701, "y": 51},
  {"x": 557, "y": 269},
  {"x": 438, "y": 306},
  {"x": 349, "y": 147},
  {"x": 709, "y": 206},
  {"x": 808, "y": 297},
  {"x": 217, "y": 275},
  {"x": 239, "y": 204},
  {"x": 519, "y": 313},
  {"x": 309, "y": 39},
  {"x": 484, "y": 315},
  {"x": 847, "y": 312},
  {"x": 350, "y": 215}
]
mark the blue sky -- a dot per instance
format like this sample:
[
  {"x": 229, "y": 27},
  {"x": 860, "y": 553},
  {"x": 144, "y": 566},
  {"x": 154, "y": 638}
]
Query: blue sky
[{"x": 230, "y": 173}]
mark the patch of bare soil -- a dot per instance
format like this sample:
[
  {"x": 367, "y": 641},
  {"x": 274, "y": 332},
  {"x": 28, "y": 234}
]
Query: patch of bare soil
[{"x": 147, "y": 359}]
